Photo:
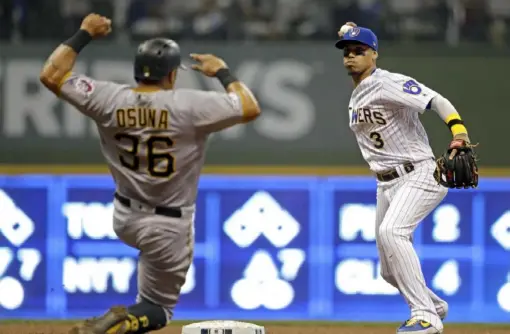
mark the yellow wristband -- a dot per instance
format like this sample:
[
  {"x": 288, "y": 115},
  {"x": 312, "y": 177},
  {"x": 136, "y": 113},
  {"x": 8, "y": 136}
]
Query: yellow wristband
[
  {"x": 455, "y": 123},
  {"x": 458, "y": 128},
  {"x": 451, "y": 117}
]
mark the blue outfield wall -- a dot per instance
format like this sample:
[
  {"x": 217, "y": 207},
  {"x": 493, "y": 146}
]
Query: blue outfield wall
[{"x": 267, "y": 248}]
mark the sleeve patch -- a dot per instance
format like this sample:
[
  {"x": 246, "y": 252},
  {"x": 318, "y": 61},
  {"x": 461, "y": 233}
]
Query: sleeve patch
[
  {"x": 83, "y": 86},
  {"x": 412, "y": 87}
]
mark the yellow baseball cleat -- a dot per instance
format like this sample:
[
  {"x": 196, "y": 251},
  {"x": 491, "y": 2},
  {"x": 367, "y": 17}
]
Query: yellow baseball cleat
[
  {"x": 415, "y": 326},
  {"x": 112, "y": 322}
]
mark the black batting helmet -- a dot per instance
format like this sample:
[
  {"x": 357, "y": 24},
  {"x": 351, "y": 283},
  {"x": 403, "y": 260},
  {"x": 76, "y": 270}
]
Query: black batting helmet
[{"x": 156, "y": 58}]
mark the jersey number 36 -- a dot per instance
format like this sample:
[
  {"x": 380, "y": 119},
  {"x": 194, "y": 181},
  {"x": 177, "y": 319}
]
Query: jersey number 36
[
  {"x": 377, "y": 140},
  {"x": 158, "y": 164}
]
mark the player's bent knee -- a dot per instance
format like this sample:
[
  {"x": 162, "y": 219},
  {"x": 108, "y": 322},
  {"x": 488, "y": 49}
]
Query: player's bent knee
[
  {"x": 390, "y": 235},
  {"x": 385, "y": 274}
]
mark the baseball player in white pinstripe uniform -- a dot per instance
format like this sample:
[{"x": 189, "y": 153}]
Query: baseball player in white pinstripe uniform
[{"x": 384, "y": 115}]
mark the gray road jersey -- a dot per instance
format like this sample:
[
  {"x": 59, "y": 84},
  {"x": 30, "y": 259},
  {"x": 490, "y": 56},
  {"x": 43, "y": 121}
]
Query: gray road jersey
[{"x": 154, "y": 142}]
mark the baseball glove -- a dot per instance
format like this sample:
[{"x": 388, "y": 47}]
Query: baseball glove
[{"x": 457, "y": 167}]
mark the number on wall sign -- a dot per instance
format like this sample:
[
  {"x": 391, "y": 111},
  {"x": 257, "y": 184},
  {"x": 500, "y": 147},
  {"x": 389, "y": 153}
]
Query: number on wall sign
[
  {"x": 447, "y": 278},
  {"x": 446, "y": 223}
]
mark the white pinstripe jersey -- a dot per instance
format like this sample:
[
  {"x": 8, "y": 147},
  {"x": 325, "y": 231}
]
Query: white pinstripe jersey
[{"x": 384, "y": 115}]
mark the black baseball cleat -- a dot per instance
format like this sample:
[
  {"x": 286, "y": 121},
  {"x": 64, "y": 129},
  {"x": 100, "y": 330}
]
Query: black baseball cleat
[{"x": 112, "y": 322}]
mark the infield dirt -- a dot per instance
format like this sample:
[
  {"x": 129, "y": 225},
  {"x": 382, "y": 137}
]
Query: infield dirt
[{"x": 61, "y": 328}]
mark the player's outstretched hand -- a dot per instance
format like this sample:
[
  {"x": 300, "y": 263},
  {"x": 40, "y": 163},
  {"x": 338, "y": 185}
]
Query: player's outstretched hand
[
  {"x": 208, "y": 64},
  {"x": 96, "y": 25}
]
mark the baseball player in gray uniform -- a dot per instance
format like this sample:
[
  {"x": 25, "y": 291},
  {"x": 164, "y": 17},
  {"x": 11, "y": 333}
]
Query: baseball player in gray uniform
[{"x": 153, "y": 138}]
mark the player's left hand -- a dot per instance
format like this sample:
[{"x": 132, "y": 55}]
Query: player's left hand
[
  {"x": 457, "y": 167},
  {"x": 208, "y": 64}
]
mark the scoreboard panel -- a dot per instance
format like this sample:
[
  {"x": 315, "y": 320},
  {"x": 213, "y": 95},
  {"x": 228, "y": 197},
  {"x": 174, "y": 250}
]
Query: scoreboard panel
[{"x": 267, "y": 248}]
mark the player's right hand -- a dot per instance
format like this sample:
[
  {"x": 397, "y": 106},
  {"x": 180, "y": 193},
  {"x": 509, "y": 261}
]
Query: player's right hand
[
  {"x": 208, "y": 64},
  {"x": 96, "y": 25},
  {"x": 350, "y": 24}
]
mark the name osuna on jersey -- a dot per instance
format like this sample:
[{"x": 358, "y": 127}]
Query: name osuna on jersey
[{"x": 153, "y": 138}]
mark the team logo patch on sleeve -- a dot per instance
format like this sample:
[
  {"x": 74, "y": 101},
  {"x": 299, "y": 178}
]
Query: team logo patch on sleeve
[
  {"x": 84, "y": 86},
  {"x": 412, "y": 87}
]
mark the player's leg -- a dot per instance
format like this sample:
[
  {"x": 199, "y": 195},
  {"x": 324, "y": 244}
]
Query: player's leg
[
  {"x": 412, "y": 199},
  {"x": 381, "y": 209},
  {"x": 166, "y": 250},
  {"x": 165, "y": 257},
  {"x": 125, "y": 225},
  {"x": 440, "y": 304}
]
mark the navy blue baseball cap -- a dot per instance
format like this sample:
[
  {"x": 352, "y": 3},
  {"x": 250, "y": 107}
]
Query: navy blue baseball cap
[{"x": 360, "y": 35}]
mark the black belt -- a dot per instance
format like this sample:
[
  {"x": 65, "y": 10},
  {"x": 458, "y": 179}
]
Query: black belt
[
  {"x": 392, "y": 174},
  {"x": 159, "y": 210}
]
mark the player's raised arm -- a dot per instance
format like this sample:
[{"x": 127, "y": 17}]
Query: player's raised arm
[
  {"x": 61, "y": 62},
  {"x": 89, "y": 96},
  {"x": 219, "y": 110}
]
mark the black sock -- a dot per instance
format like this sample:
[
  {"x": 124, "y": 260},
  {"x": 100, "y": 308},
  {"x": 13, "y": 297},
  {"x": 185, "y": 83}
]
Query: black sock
[{"x": 145, "y": 317}]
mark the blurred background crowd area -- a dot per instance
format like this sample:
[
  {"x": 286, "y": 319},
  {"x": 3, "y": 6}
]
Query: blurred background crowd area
[{"x": 452, "y": 21}]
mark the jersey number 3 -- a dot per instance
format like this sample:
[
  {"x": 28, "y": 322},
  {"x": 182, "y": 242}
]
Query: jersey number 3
[
  {"x": 153, "y": 158},
  {"x": 376, "y": 138}
]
